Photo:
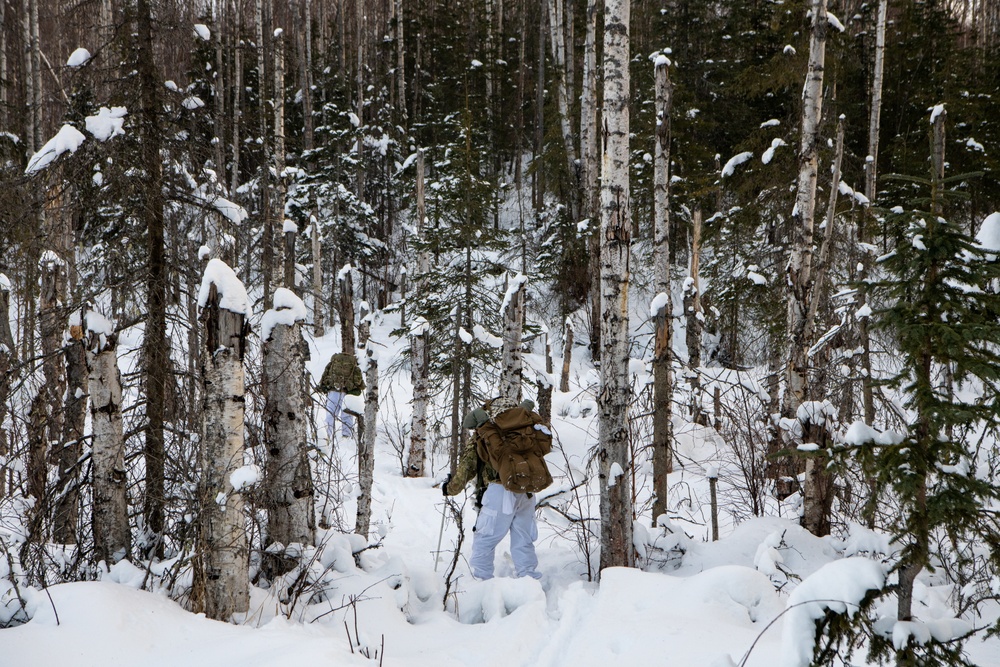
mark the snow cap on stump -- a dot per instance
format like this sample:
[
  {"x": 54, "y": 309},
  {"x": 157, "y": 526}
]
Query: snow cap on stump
[{"x": 233, "y": 295}]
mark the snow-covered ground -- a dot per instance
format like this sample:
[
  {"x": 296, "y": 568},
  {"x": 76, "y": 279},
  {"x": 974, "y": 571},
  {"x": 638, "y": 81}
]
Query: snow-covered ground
[{"x": 694, "y": 602}]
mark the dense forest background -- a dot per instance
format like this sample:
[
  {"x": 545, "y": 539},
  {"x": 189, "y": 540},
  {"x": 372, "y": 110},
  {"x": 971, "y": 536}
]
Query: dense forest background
[{"x": 415, "y": 158}]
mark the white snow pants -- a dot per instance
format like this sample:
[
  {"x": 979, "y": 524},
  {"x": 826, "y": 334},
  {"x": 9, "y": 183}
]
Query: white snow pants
[
  {"x": 335, "y": 410},
  {"x": 505, "y": 511}
]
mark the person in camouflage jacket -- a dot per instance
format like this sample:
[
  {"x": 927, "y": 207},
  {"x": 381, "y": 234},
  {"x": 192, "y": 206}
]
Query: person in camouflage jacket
[
  {"x": 341, "y": 376},
  {"x": 502, "y": 511}
]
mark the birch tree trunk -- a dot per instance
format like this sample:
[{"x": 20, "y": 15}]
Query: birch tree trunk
[
  {"x": 112, "y": 538},
  {"x": 543, "y": 381},
  {"x": 47, "y": 407},
  {"x": 557, "y": 39},
  {"x": 567, "y": 356},
  {"x": 419, "y": 361},
  {"x": 319, "y": 327},
  {"x": 400, "y": 60},
  {"x": 67, "y": 506},
  {"x": 219, "y": 95},
  {"x": 800, "y": 260},
  {"x": 615, "y": 392},
  {"x": 234, "y": 182},
  {"x": 366, "y": 445},
  {"x": 590, "y": 170},
  {"x": 288, "y": 229},
  {"x": 513, "y": 317},
  {"x": 419, "y": 345},
  {"x": 267, "y": 219},
  {"x": 288, "y": 486},
  {"x": 222, "y": 566},
  {"x": 8, "y": 357},
  {"x": 871, "y": 172},
  {"x": 663, "y": 455},
  {"x": 817, "y": 493},
  {"x": 695, "y": 320}
]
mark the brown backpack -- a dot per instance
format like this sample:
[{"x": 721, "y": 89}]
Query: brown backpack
[{"x": 515, "y": 443}]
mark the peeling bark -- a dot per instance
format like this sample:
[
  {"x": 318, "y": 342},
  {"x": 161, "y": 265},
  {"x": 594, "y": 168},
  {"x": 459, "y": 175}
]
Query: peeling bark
[
  {"x": 663, "y": 436},
  {"x": 616, "y": 227},
  {"x": 510, "y": 364},
  {"x": 288, "y": 487},
  {"x": 366, "y": 446},
  {"x": 112, "y": 538},
  {"x": 222, "y": 566}
]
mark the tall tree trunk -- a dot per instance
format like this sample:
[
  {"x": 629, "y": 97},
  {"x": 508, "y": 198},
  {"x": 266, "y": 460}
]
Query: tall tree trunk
[
  {"x": 817, "y": 493},
  {"x": 419, "y": 372},
  {"x": 319, "y": 327},
  {"x": 219, "y": 96},
  {"x": 267, "y": 218},
  {"x": 156, "y": 350},
  {"x": 222, "y": 586},
  {"x": 287, "y": 413},
  {"x": 616, "y": 226},
  {"x": 801, "y": 258},
  {"x": 67, "y": 506},
  {"x": 663, "y": 452},
  {"x": 366, "y": 445},
  {"x": 306, "y": 76},
  {"x": 589, "y": 139},
  {"x": 513, "y": 317},
  {"x": 871, "y": 171},
  {"x": 419, "y": 343},
  {"x": 234, "y": 181},
  {"x": 695, "y": 320},
  {"x": 3, "y": 91},
  {"x": 544, "y": 381},
  {"x": 112, "y": 538},
  {"x": 8, "y": 357},
  {"x": 346, "y": 288},
  {"x": 288, "y": 228},
  {"x": 557, "y": 38},
  {"x": 567, "y": 356},
  {"x": 50, "y": 395},
  {"x": 400, "y": 60}
]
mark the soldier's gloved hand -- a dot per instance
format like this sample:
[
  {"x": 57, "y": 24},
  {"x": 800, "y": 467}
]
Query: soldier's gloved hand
[{"x": 444, "y": 484}]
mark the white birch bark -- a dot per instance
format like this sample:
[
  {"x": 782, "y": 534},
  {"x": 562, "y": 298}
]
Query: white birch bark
[
  {"x": 510, "y": 357},
  {"x": 567, "y": 356},
  {"x": 817, "y": 491},
  {"x": 419, "y": 360},
  {"x": 871, "y": 174},
  {"x": 662, "y": 375},
  {"x": 366, "y": 445},
  {"x": 616, "y": 227},
  {"x": 419, "y": 345},
  {"x": 400, "y": 60},
  {"x": 67, "y": 504},
  {"x": 801, "y": 257},
  {"x": 288, "y": 486},
  {"x": 557, "y": 39},
  {"x": 588, "y": 118},
  {"x": 319, "y": 328},
  {"x": 222, "y": 575},
  {"x": 112, "y": 537},
  {"x": 346, "y": 286},
  {"x": 8, "y": 357},
  {"x": 234, "y": 181},
  {"x": 695, "y": 320}
]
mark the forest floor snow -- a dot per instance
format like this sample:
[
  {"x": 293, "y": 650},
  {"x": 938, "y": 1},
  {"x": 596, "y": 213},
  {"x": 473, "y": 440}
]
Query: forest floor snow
[{"x": 695, "y": 602}]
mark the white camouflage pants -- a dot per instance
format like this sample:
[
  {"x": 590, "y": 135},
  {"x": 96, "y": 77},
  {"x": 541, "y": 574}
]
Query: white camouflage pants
[
  {"x": 335, "y": 410},
  {"x": 504, "y": 511}
]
